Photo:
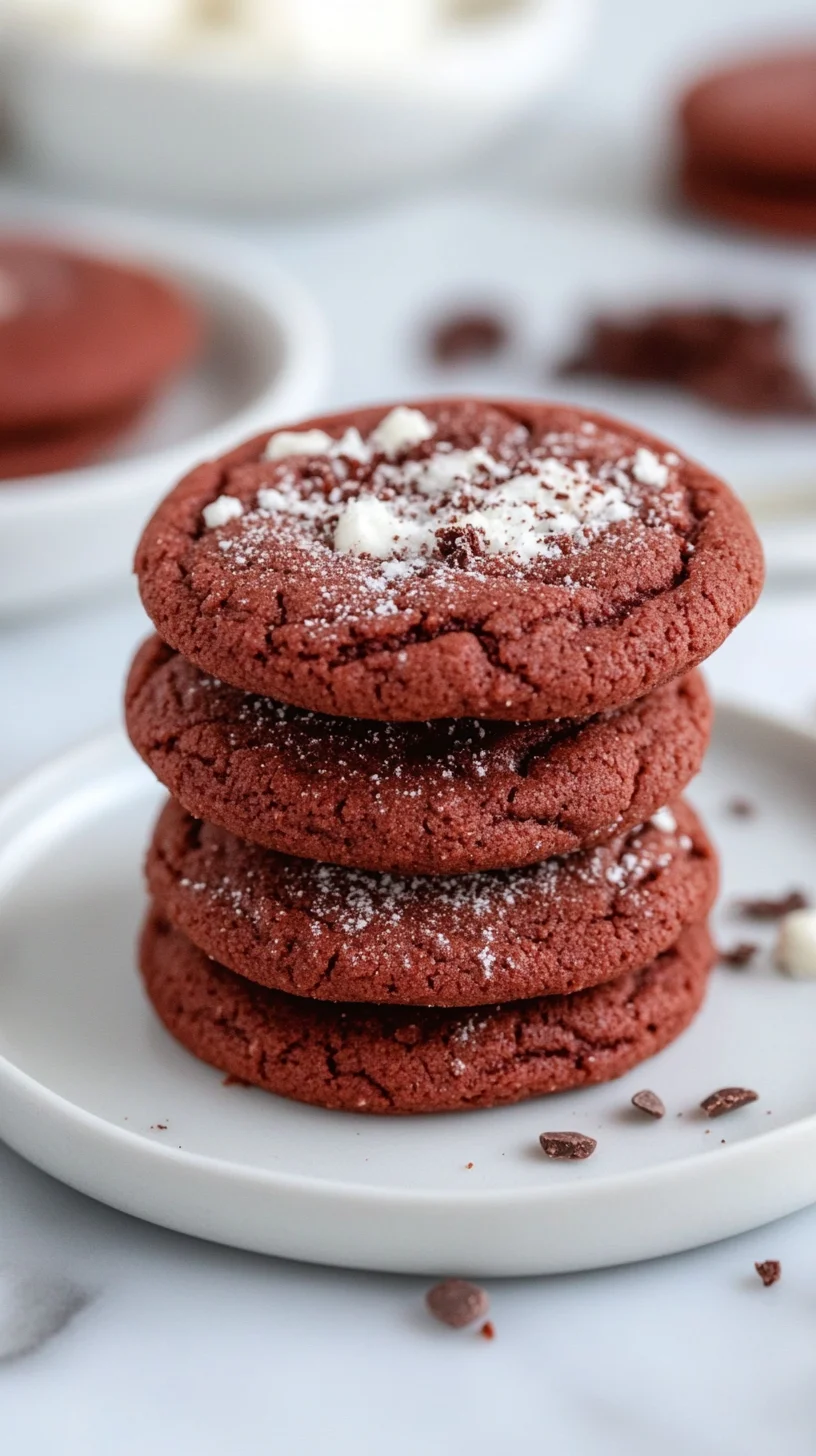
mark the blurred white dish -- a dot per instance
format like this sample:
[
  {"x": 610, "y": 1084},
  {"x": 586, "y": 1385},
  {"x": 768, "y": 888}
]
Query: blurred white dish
[
  {"x": 209, "y": 127},
  {"x": 265, "y": 362}
]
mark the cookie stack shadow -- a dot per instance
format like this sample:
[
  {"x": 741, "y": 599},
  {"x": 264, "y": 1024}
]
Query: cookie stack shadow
[{"x": 409, "y": 917}]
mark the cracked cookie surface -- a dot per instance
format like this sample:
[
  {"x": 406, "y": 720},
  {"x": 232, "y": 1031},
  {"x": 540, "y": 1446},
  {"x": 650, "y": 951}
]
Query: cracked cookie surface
[
  {"x": 429, "y": 798},
  {"x": 523, "y": 561},
  {"x": 409, "y": 1060},
  {"x": 338, "y": 934}
]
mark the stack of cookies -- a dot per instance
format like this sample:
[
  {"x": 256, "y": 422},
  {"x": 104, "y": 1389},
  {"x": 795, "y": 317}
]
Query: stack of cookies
[{"x": 425, "y": 697}]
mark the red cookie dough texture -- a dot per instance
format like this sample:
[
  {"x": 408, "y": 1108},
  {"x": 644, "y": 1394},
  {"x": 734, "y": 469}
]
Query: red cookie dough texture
[
  {"x": 428, "y": 798},
  {"x": 344, "y": 935},
  {"x": 457, "y": 558},
  {"x": 405, "y": 1060}
]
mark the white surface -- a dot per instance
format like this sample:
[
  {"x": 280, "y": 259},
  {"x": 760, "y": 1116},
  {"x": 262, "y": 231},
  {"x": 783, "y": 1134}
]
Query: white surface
[
  {"x": 188, "y": 1349},
  {"x": 265, "y": 359},
  {"x": 202, "y": 132},
  {"x": 93, "y": 1090}
]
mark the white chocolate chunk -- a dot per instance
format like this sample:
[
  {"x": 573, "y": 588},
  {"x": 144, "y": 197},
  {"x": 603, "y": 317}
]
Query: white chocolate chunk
[
  {"x": 648, "y": 470},
  {"x": 401, "y": 429},
  {"x": 298, "y": 442},
  {"x": 796, "y": 946},
  {"x": 664, "y": 820},
  {"x": 224, "y": 508},
  {"x": 368, "y": 527}
]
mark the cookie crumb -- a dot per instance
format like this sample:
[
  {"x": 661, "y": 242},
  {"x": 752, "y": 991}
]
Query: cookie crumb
[
  {"x": 158, "y": 1127},
  {"x": 738, "y": 955},
  {"x": 457, "y": 1303},
  {"x": 770, "y": 908},
  {"x": 468, "y": 1165},
  {"x": 741, "y": 808},
  {"x": 727, "y": 1099},
  {"x": 649, "y": 1102},
  {"x": 567, "y": 1145},
  {"x": 488, "y": 1331},
  {"x": 468, "y": 335},
  {"x": 769, "y": 1271}
]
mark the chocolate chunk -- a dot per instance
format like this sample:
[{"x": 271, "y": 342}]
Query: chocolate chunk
[
  {"x": 459, "y": 544},
  {"x": 466, "y": 336},
  {"x": 647, "y": 1101},
  {"x": 457, "y": 1303},
  {"x": 727, "y": 1099},
  {"x": 741, "y": 808},
  {"x": 571, "y": 1145},
  {"x": 771, "y": 909},
  {"x": 739, "y": 955},
  {"x": 769, "y": 1271}
]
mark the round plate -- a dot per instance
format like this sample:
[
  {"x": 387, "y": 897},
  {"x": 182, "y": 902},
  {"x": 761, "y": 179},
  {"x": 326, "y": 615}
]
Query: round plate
[
  {"x": 264, "y": 362},
  {"x": 93, "y": 1090}
]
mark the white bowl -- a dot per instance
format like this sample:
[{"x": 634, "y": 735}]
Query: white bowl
[
  {"x": 265, "y": 362},
  {"x": 185, "y": 130}
]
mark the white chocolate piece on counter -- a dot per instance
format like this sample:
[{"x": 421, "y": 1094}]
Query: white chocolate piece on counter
[
  {"x": 224, "y": 508},
  {"x": 796, "y": 946}
]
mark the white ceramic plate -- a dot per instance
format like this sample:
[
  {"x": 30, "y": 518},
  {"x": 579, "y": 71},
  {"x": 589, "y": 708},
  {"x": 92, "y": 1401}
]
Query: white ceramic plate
[
  {"x": 265, "y": 361},
  {"x": 549, "y": 268},
  {"x": 94, "y": 1090}
]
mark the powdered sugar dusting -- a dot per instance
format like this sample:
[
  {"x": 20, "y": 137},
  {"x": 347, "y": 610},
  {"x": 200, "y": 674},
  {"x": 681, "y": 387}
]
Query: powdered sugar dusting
[{"x": 379, "y": 497}]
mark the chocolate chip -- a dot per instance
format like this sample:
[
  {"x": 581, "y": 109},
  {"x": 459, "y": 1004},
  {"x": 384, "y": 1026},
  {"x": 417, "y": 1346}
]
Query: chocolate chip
[
  {"x": 739, "y": 955},
  {"x": 727, "y": 1099},
  {"x": 465, "y": 336},
  {"x": 647, "y": 1101},
  {"x": 488, "y": 1331},
  {"x": 570, "y": 1145},
  {"x": 773, "y": 909},
  {"x": 769, "y": 1271},
  {"x": 741, "y": 808},
  {"x": 457, "y": 1303}
]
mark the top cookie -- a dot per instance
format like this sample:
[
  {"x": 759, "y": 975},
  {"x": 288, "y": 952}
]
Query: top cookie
[
  {"x": 83, "y": 337},
  {"x": 456, "y": 558},
  {"x": 756, "y": 118}
]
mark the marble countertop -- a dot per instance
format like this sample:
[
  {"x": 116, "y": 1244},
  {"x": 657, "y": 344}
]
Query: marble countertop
[{"x": 132, "y": 1339}]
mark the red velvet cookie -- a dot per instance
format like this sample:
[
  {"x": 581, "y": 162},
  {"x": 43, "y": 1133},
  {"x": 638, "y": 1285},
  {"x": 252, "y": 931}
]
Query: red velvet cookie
[
  {"x": 347, "y": 935},
  {"x": 43, "y": 452},
  {"x": 405, "y": 1060},
  {"x": 426, "y": 798},
  {"x": 453, "y": 559},
  {"x": 788, "y": 211},
  {"x": 749, "y": 142},
  {"x": 83, "y": 337}
]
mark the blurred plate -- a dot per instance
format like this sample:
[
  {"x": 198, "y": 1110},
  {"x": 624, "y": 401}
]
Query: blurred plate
[
  {"x": 94, "y": 1090},
  {"x": 264, "y": 362},
  {"x": 393, "y": 274}
]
